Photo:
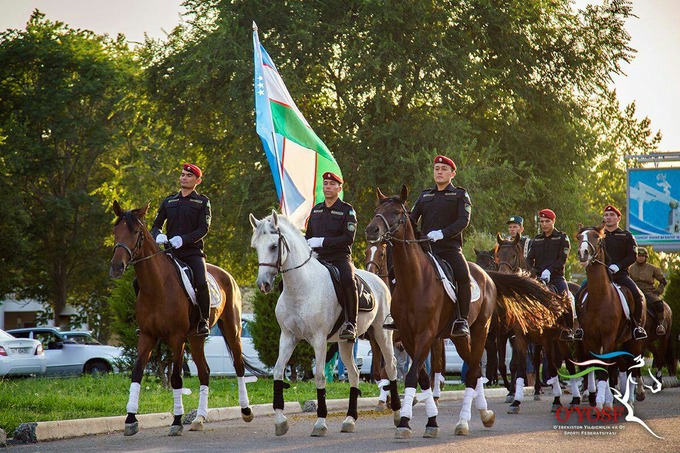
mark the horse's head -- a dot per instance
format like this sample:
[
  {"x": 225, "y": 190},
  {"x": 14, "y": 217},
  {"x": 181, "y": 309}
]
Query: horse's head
[
  {"x": 128, "y": 235},
  {"x": 390, "y": 216},
  {"x": 508, "y": 254},
  {"x": 591, "y": 245},
  {"x": 376, "y": 259},
  {"x": 485, "y": 260}
]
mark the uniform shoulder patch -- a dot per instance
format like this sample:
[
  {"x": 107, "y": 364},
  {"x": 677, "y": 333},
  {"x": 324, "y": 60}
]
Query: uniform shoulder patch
[{"x": 351, "y": 227}]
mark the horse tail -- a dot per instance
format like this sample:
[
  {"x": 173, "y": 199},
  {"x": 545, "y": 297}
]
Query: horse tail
[
  {"x": 524, "y": 302},
  {"x": 256, "y": 371}
]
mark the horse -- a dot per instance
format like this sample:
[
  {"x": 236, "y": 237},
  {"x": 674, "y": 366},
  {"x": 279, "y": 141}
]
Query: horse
[
  {"x": 164, "y": 312},
  {"x": 509, "y": 255},
  {"x": 308, "y": 309},
  {"x": 423, "y": 311},
  {"x": 661, "y": 346},
  {"x": 603, "y": 320}
]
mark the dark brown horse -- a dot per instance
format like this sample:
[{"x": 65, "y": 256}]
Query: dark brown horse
[
  {"x": 423, "y": 312},
  {"x": 602, "y": 317},
  {"x": 164, "y": 312},
  {"x": 661, "y": 346}
]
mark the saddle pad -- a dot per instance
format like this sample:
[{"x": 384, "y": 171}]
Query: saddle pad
[
  {"x": 448, "y": 286},
  {"x": 213, "y": 288},
  {"x": 364, "y": 294},
  {"x": 622, "y": 299}
]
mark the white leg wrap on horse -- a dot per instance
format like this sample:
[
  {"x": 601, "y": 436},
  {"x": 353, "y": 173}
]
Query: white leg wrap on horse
[
  {"x": 382, "y": 386},
  {"x": 203, "y": 402},
  {"x": 466, "y": 410},
  {"x": 601, "y": 391},
  {"x": 591, "y": 382},
  {"x": 438, "y": 380},
  {"x": 179, "y": 407},
  {"x": 572, "y": 302},
  {"x": 609, "y": 396},
  {"x": 519, "y": 389},
  {"x": 633, "y": 385},
  {"x": 574, "y": 383},
  {"x": 407, "y": 404},
  {"x": 242, "y": 393},
  {"x": 430, "y": 407},
  {"x": 133, "y": 400},
  {"x": 555, "y": 382},
  {"x": 480, "y": 399},
  {"x": 623, "y": 378}
]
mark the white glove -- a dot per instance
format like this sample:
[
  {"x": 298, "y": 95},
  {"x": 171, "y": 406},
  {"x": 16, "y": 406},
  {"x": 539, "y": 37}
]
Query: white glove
[
  {"x": 161, "y": 239},
  {"x": 545, "y": 275},
  {"x": 315, "y": 242},
  {"x": 435, "y": 235},
  {"x": 176, "y": 242},
  {"x": 614, "y": 268}
]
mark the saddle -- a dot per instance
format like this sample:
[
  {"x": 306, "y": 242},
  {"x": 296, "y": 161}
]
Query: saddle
[
  {"x": 364, "y": 294},
  {"x": 622, "y": 299},
  {"x": 186, "y": 276},
  {"x": 445, "y": 275}
]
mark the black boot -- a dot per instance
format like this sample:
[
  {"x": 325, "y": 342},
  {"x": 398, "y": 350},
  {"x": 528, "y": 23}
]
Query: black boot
[
  {"x": 203, "y": 300},
  {"x": 660, "y": 318},
  {"x": 639, "y": 332},
  {"x": 460, "y": 325},
  {"x": 348, "y": 331},
  {"x": 389, "y": 323}
]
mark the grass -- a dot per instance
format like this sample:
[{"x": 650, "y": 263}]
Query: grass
[{"x": 25, "y": 400}]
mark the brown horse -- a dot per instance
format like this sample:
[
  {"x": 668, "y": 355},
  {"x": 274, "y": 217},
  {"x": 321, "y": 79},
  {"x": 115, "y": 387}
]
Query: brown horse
[
  {"x": 423, "y": 311},
  {"x": 661, "y": 346},
  {"x": 602, "y": 317},
  {"x": 164, "y": 312}
]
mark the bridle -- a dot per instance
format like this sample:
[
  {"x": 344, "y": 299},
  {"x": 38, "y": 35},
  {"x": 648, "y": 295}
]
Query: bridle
[
  {"x": 388, "y": 236},
  {"x": 133, "y": 252},
  {"x": 378, "y": 265},
  {"x": 283, "y": 243},
  {"x": 593, "y": 251},
  {"x": 514, "y": 268}
]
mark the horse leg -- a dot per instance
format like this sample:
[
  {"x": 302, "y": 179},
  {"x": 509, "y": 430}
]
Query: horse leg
[
  {"x": 177, "y": 348},
  {"x": 592, "y": 389},
  {"x": 536, "y": 363},
  {"x": 471, "y": 351},
  {"x": 196, "y": 346},
  {"x": 287, "y": 343},
  {"x": 554, "y": 379},
  {"x": 487, "y": 416},
  {"x": 574, "y": 383},
  {"x": 389, "y": 382},
  {"x": 144, "y": 346},
  {"x": 347, "y": 354},
  {"x": 231, "y": 333},
  {"x": 438, "y": 368},
  {"x": 319, "y": 344},
  {"x": 410, "y": 382},
  {"x": 431, "y": 429},
  {"x": 520, "y": 353}
]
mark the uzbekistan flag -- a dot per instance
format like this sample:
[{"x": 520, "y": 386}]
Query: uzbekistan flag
[{"x": 297, "y": 156}]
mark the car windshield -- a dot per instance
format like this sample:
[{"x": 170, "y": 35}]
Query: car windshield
[{"x": 82, "y": 338}]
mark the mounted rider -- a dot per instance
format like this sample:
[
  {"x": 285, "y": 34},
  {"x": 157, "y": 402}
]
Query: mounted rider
[
  {"x": 620, "y": 254},
  {"x": 547, "y": 256},
  {"x": 644, "y": 275},
  {"x": 444, "y": 212},
  {"x": 515, "y": 227},
  {"x": 330, "y": 233},
  {"x": 187, "y": 217}
]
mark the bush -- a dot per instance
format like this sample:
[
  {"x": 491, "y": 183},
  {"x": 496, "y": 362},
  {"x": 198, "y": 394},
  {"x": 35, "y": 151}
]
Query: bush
[{"x": 672, "y": 298}]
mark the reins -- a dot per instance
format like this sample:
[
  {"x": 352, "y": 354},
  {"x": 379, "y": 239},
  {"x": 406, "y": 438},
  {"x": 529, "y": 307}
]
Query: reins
[
  {"x": 138, "y": 245},
  {"x": 279, "y": 258},
  {"x": 388, "y": 236}
]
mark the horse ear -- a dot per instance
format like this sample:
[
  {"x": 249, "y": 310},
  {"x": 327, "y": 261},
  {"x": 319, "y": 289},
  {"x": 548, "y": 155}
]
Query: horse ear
[
  {"x": 477, "y": 252},
  {"x": 253, "y": 220},
  {"x": 275, "y": 218},
  {"x": 601, "y": 227},
  {"x": 404, "y": 193},
  {"x": 379, "y": 194},
  {"x": 117, "y": 209},
  {"x": 499, "y": 239},
  {"x": 142, "y": 211}
]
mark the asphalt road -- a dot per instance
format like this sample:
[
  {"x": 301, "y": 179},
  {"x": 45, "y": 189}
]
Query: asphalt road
[{"x": 535, "y": 429}]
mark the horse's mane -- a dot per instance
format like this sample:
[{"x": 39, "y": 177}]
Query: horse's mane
[
  {"x": 130, "y": 218},
  {"x": 289, "y": 230}
]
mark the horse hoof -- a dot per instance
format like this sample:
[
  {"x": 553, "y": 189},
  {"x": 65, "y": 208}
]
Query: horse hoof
[
  {"x": 397, "y": 417},
  {"x": 281, "y": 428},
  {"x": 247, "y": 414},
  {"x": 381, "y": 406},
  {"x": 599, "y": 406},
  {"x": 462, "y": 428},
  {"x": 320, "y": 429},
  {"x": 640, "y": 396},
  {"x": 176, "y": 430},
  {"x": 555, "y": 407},
  {"x": 131, "y": 429},
  {"x": 488, "y": 417},
  {"x": 537, "y": 397},
  {"x": 348, "y": 425},
  {"x": 509, "y": 399},
  {"x": 197, "y": 424},
  {"x": 513, "y": 410},
  {"x": 431, "y": 432},
  {"x": 403, "y": 433},
  {"x": 591, "y": 399}
]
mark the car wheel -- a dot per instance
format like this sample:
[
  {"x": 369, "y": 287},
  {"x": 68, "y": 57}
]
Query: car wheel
[{"x": 97, "y": 367}]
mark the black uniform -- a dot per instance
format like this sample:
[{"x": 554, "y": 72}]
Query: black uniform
[
  {"x": 337, "y": 225},
  {"x": 188, "y": 217},
  {"x": 448, "y": 210},
  {"x": 621, "y": 250},
  {"x": 550, "y": 252}
]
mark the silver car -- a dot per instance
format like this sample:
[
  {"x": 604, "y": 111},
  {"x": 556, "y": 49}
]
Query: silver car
[
  {"x": 65, "y": 356},
  {"x": 21, "y": 356}
]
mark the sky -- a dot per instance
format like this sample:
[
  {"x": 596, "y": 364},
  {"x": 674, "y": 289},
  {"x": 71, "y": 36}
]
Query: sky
[{"x": 649, "y": 80}]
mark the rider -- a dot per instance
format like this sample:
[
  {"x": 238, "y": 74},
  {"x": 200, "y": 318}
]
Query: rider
[
  {"x": 644, "y": 274},
  {"x": 515, "y": 227},
  {"x": 620, "y": 253},
  {"x": 188, "y": 219},
  {"x": 547, "y": 255},
  {"x": 330, "y": 232},
  {"x": 445, "y": 213}
]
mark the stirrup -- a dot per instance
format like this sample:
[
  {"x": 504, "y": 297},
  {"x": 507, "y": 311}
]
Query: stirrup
[
  {"x": 348, "y": 332},
  {"x": 639, "y": 333},
  {"x": 660, "y": 330},
  {"x": 202, "y": 329},
  {"x": 578, "y": 334},
  {"x": 566, "y": 335},
  {"x": 460, "y": 328},
  {"x": 389, "y": 323}
]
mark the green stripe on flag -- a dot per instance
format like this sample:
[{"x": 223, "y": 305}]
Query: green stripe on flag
[{"x": 288, "y": 124}]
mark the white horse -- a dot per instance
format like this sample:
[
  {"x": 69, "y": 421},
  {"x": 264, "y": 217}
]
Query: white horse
[{"x": 308, "y": 309}]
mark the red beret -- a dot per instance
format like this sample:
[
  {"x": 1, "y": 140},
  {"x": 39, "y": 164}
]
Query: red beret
[
  {"x": 333, "y": 177},
  {"x": 445, "y": 160},
  {"x": 547, "y": 213},
  {"x": 193, "y": 169},
  {"x": 612, "y": 208}
]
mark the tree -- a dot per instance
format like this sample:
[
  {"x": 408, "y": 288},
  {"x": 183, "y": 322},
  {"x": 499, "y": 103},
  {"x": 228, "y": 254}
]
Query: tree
[{"x": 61, "y": 113}]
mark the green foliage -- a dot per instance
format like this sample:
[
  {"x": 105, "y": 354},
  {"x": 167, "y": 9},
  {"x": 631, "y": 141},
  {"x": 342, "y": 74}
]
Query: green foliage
[
  {"x": 672, "y": 297},
  {"x": 266, "y": 333}
]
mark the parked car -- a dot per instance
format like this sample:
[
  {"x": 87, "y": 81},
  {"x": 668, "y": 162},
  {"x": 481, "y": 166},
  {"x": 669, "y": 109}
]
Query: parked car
[
  {"x": 65, "y": 356},
  {"x": 219, "y": 357},
  {"x": 81, "y": 337},
  {"x": 21, "y": 356}
]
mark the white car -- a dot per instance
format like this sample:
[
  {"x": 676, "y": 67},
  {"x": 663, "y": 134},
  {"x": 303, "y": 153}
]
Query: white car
[
  {"x": 20, "y": 356},
  {"x": 454, "y": 364},
  {"x": 219, "y": 357},
  {"x": 65, "y": 356},
  {"x": 81, "y": 337}
]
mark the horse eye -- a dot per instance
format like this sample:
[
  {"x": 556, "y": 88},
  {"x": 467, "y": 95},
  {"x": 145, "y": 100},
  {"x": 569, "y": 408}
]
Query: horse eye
[{"x": 273, "y": 247}]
